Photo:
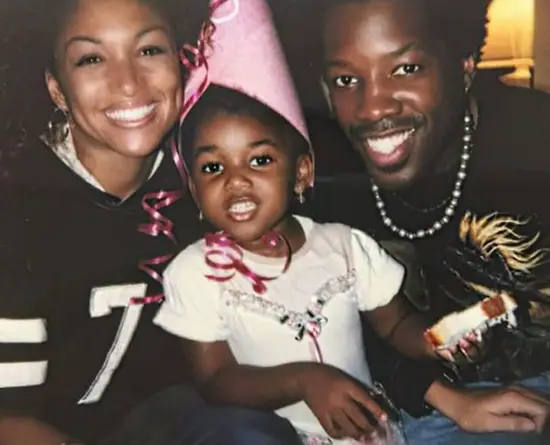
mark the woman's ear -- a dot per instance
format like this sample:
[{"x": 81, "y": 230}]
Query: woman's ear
[{"x": 54, "y": 89}]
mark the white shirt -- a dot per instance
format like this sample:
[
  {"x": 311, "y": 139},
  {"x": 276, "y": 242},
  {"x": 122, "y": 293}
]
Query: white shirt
[
  {"x": 65, "y": 150},
  {"x": 343, "y": 269}
]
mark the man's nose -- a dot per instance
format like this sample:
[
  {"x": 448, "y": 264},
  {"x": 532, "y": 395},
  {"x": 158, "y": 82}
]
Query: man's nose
[{"x": 377, "y": 101}]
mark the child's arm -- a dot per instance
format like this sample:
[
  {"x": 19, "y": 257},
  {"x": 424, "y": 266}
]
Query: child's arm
[
  {"x": 400, "y": 324},
  {"x": 222, "y": 380},
  {"x": 381, "y": 301},
  {"x": 338, "y": 401}
]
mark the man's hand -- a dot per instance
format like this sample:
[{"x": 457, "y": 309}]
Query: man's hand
[
  {"x": 342, "y": 405},
  {"x": 513, "y": 409}
]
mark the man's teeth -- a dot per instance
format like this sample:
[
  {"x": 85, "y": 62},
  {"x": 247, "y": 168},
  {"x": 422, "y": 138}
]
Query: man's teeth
[
  {"x": 388, "y": 144},
  {"x": 130, "y": 114},
  {"x": 242, "y": 207}
]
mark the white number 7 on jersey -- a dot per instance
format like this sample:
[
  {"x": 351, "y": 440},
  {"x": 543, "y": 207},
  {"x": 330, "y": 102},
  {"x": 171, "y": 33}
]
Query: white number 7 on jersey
[{"x": 102, "y": 301}]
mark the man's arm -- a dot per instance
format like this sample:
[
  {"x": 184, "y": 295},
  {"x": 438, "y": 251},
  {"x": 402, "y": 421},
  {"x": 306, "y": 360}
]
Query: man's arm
[{"x": 401, "y": 325}]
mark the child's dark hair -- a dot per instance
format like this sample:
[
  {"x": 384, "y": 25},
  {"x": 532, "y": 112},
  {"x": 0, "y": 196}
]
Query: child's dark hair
[{"x": 218, "y": 99}]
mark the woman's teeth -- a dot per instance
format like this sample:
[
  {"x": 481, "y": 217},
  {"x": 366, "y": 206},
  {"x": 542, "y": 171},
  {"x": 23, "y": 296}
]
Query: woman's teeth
[{"x": 131, "y": 114}]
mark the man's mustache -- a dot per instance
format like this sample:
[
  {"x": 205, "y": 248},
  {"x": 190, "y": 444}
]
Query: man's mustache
[{"x": 365, "y": 129}]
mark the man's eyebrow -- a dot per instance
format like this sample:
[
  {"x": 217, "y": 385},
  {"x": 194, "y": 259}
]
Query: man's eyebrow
[{"x": 405, "y": 49}]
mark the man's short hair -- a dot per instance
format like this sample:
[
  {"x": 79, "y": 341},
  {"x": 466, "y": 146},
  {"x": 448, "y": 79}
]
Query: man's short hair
[{"x": 461, "y": 23}]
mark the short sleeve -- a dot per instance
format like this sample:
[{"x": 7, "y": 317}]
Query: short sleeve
[
  {"x": 379, "y": 276},
  {"x": 192, "y": 305}
]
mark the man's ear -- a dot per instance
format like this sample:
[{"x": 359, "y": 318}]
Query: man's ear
[
  {"x": 304, "y": 173},
  {"x": 54, "y": 89},
  {"x": 470, "y": 69}
]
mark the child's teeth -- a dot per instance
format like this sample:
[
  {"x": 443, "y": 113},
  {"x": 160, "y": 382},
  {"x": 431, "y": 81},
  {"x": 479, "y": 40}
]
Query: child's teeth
[{"x": 242, "y": 207}]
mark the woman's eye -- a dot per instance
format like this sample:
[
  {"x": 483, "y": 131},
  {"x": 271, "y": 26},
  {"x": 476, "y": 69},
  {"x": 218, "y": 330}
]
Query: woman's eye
[
  {"x": 88, "y": 60},
  {"x": 407, "y": 69},
  {"x": 152, "y": 51},
  {"x": 345, "y": 81},
  {"x": 212, "y": 168},
  {"x": 260, "y": 161}
]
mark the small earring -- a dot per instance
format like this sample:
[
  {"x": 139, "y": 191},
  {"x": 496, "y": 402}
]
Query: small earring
[
  {"x": 301, "y": 198},
  {"x": 58, "y": 131},
  {"x": 201, "y": 216}
]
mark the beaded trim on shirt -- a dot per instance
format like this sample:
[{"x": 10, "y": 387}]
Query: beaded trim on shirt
[
  {"x": 313, "y": 439},
  {"x": 295, "y": 320}
]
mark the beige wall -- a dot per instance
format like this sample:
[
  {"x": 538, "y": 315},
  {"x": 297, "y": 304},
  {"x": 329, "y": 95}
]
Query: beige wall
[{"x": 542, "y": 44}]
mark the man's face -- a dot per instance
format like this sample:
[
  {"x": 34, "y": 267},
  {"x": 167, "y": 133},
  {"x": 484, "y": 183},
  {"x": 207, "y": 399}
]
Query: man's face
[{"x": 394, "y": 89}]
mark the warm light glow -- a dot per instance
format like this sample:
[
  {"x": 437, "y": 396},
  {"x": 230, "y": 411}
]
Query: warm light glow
[
  {"x": 510, "y": 38},
  {"x": 511, "y": 30}
]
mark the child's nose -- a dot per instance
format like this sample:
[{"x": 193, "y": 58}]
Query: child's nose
[{"x": 238, "y": 180}]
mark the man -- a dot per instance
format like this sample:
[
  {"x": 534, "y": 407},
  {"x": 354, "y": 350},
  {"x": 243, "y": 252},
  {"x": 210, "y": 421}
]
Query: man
[{"x": 443, "y": 153}]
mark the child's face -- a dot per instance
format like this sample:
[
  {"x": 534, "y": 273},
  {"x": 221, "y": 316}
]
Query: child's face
[{"x": 243, "y": 176}]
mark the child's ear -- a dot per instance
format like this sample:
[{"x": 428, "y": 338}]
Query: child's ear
[{"x": 304, "y": 174}]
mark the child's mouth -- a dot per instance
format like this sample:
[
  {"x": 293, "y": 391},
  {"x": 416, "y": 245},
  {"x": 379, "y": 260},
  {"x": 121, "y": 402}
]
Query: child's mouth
[{"x": 242, "y": 210}]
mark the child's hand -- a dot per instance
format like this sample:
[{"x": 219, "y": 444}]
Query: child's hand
[
  {"x": 342, "y": 405},
  {"x": 472, "y": 348}
]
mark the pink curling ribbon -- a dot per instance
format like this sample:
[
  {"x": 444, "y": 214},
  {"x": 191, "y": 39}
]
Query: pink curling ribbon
[
  {"x": 312, "y": 327},
  {"x": 226, "y": 255},
  {"x": 159, "y": 225},
  {"x": 197, "y": 60}
]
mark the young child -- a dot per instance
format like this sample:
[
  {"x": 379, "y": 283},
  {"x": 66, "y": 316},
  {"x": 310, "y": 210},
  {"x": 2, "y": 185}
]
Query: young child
[{"x": 270, "y": 306}]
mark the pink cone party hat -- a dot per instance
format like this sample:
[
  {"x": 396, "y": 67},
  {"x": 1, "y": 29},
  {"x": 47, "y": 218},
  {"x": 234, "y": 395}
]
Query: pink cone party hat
[{"x": 242, "y": 51}]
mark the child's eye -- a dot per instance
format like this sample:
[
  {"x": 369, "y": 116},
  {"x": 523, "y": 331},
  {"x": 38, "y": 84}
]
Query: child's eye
[
  {"x": 88, "y": 60},
  {"x": 152, "y": 51},
  {"x": 212, "y": 168},
  {"x": 407, "y": 69},
  {"x": 345, "y": 81},
  {"x": 260, "y": 161}
]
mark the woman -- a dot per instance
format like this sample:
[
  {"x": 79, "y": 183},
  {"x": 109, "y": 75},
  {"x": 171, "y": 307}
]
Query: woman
[{"x": 79, "y": 356}]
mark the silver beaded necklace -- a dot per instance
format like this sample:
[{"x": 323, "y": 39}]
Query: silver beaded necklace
[{"x": 450, "y": 209}]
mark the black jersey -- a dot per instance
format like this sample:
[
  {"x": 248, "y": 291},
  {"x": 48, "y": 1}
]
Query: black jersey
[{"x": 74, "y": 351}]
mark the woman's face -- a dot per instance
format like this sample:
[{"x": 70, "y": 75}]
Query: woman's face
[{"x": 118, "y": 76}]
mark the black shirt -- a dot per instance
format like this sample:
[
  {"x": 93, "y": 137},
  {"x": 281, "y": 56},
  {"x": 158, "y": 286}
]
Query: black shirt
[{"x": 70, "y": 255}]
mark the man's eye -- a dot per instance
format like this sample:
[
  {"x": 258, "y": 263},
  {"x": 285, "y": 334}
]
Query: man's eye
[
  {"x": 345, "y": 81},
  {"x": 407, "y": 69},
  {"x": 260, "y": 161},
  {"x": 212, "y": 168},
  {"x": 88, "y": 60},
  {"x": 152, "y": 51}
]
